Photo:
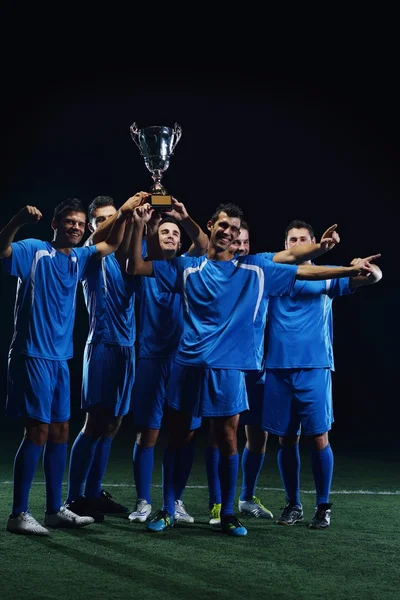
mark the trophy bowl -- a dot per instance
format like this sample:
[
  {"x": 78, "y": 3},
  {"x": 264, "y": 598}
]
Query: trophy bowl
[{"x": 157, "y": 144}]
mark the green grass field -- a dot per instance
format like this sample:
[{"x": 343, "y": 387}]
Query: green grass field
[{"x": 357, "y": 557}]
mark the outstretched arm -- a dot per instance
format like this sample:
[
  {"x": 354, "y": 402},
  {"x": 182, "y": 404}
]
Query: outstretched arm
[
  {"x": 305, "y": 252},
  {"x": 104, "y": 228},
  {"x": 28, "y": 214},
  {"x": 317, "y": 273},
  {"x": 135, "y": 264},
  {"x": 373, "y": 277},
  {"x": 198, "y": 237}
]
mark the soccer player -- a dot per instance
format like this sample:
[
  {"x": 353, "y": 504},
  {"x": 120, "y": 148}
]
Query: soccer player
[
  {"x": 224, "y": 301},
  {"x": 298, "y": 389},
  {"x": 108, "y": 364},
  {"x": 256, "y": 438},
  {"x": 38, "y": 375},
  {"x": 160, "y": 329}
]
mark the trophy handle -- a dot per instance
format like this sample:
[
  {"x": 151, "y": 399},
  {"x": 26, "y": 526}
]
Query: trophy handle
[
  {"x": 178, "y": 133},
  {"x": 135, "y": 134}
]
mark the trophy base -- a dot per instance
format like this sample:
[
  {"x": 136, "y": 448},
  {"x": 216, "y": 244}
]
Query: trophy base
[{"x": 161, "y": 201}]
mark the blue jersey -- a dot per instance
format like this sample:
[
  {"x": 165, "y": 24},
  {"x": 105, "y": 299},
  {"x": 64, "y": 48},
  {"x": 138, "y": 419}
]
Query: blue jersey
[
  {"x": 160, "y": 321},
  {"x": 224, "y": 306},
  {"x": 109, "y": 295},
  {"x": 299, "y": 332},
  {"x": 45, "y": 302}
]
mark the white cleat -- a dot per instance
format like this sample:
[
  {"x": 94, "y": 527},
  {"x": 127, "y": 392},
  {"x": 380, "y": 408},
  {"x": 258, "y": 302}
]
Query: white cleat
[
  {"x": 66, "y": 518},
  {"x": 141, "y": 513},
  {"x": 255, "y": 508},
  {"x": 181, "y": 514},
  {"x": 26, "y": 524}
]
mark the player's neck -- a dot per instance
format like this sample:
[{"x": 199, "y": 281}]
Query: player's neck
[
  {"x": 66, "y": 251},
  {"x": 216, "y": 254}
]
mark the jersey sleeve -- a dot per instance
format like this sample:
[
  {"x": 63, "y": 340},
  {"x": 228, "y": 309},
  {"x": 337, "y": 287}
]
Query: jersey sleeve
[
  {"x": 168, "y": 274},
  {"x": 267, "y": 255},
  {"x": 279, "y": 278},
  {"x": 86, "y": 255},
  {"x": 20, "y": 262}
]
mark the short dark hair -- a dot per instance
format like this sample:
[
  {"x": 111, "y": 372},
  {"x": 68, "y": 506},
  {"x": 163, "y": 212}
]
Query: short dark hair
[
  {"x": 168, "y": 219},
  {"x": 99, "y": 202},
  {"x": 67, "y": 206},
  {"x": 297, "y": 224},
  {"x": 244, "y": 225},
  {"x": 232, "y": 210}
]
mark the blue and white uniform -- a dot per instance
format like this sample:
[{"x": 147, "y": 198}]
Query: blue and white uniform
[
  {"x": 44, "y": 315},
  {"x": 298, "y": 391},
  {"x": 109, "y": 356},
  {"x": 255, "y": 380},
  {"x": 224, "y": 308},
  {"x": 160, "y": 329}
]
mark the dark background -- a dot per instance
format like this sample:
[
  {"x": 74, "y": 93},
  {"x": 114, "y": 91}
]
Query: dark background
[{"x": 319, "y": 143}]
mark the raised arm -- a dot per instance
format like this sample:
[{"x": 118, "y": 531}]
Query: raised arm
[
  {"x": 198, "y": 238},
  {"x": 373, "y": 277},
  {"x": 104, "y": 228},
  {"x": 116, "y": 234},
  {"x": 135, "y": 264},
  {"x": 316, "y": 273},
  {"x": 304, "y": 252},
  {"x": 28, "y": 214}
]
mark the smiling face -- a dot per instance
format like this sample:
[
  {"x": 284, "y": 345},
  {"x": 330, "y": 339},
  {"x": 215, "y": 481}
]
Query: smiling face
[
  {"x": 241, "y": 245},
  {"x": 169, "y": 237},
  {"x": 224, "y": 231},
  {"x": 70, "y": 229}
]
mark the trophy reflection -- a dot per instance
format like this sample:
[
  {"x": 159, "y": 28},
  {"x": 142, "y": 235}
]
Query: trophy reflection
[{"x": 156, "y": 145}]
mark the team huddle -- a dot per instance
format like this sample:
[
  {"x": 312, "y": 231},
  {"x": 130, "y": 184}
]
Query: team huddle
[{"x": 202, "y": 321}]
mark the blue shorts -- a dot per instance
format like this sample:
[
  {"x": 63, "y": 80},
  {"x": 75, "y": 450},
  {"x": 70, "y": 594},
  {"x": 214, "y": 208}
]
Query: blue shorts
[
  {"x": 150, "y": 392},
  {"x": 206, "y": 392},
  {"x": 255, "y": 381},
  {"x": 38, "y": 389},
  {"x": 108, "y": 376},
  {"x": 297, "y": 400}
]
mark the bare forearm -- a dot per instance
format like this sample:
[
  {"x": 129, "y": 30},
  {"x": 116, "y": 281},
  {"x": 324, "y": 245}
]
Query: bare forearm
[
  {"x": 299, "y": 254},
  {"x": 7, "y": 235},
  {"x": 136, "y": 265},
  {"x": 103, "y": 230},
  {"x": 373, "y": 277},
  {"x": 198, "y": 237},
  {"x": 317, "y": 273},
  {"x": 115, "y": 236}
]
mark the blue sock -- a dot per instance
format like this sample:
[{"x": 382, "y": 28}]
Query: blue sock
[
  {"x": 322, "y": 468},
  {"x": 95, "y": 477},
  {"x": 214, "y": 487},
  {"x": 289, "y": 467},
  {"x": 168, "y": 480},
  {"x": 185, "y": 458},
  {"x": 251, "y": 467},
  {"x": 228, "y": 473},
  {"x": 25, "y": 465},
  {"x": 80, "y": 461},
  {"x": 143, "y": 465},
  {"x": 54, "y": 462}
]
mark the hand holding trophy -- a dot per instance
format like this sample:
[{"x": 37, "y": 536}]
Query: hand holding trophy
[{"x": 157, "y": 145}]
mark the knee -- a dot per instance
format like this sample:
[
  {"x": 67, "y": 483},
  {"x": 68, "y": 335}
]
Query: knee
[
  {"x": 38, "y": 434},
  {"x": 58, "y": 432}
]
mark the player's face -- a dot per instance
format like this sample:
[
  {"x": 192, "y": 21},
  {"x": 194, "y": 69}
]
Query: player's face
[
  {"x": 241, "y": 245},
  {"x": 169, "y": 237},
  {"x": 100, "y": 215},
  {"x": 70, "y": 229},
  {"x": 224, "y": 231},
  {"x": 298, "y": 236}
]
